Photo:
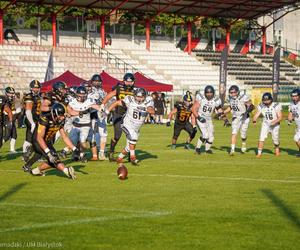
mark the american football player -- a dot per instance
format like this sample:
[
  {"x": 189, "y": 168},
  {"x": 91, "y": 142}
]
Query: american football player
[
  {"x": 137, "y": 109},
  {"x": 203, "y": 109},
  {"x": 241, "y": 106},
  {"x": 48, "y": 125},
  {"x": 294, "y": 114},
  {"x": 272, "y": 115},
  {"x": 32, "y": 102},
  {"x": 182, "y": 121},
  {"x": 126, "y": 88}
]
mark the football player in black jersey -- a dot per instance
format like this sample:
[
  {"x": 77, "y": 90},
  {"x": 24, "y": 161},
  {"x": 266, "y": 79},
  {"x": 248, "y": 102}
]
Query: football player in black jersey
[
  {"x": 57, "y": 95},
  {"x": 11, "y": 129},
  {"x": 32, "y": 102},
  {"x": 119, "y": 92},
  {"x": 4, "y": 108},
  {"x": 48, "y": 125},
  {"x": 182, "y": 121}
]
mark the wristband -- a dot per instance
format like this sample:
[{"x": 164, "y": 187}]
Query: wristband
[
  {"x": 47, "y": 150},
  {"x": 74, "y": 148}
]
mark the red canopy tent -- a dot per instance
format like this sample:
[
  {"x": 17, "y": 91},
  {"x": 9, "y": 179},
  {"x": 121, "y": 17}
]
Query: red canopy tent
[
  {"x": 68, "y": 77},
  {"x": 108, "y": 81},
  {"x": 151, "y": 85}
]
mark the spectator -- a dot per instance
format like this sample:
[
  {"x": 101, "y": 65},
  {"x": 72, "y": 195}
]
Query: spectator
[{"x": 160, "y": 107}]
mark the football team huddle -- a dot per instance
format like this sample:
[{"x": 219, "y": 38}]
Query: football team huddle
[{"x": 78, "y": 115}]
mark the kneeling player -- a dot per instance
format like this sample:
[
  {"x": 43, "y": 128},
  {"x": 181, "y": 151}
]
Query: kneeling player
[
  {"x": 138, "y": 107},
  {"x": 183, "y": 114},
  {"x": 294, "y": 114},
  {"x": 44, "y": 134},
  {"x": 272, "y": 115}
]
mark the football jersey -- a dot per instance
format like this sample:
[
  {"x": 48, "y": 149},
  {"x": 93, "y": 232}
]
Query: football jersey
[
  {"x": 136, "y": 112},
  {"x": 46, "y": 120},
  {"x": 183, "y": 113},
  {"x": 207, "y": 107},
  {"x": 36, "y": 104},
  {"x": 84, "y": 118},
  {"x": 11, "y": 105},
  {"x": 238, "y": 105},
  {"x": 2, "y": 106},
  {"x": 295, "y": 110},
  {"x": 121, "y": 92},
  {"x": 269, "y": 112}
]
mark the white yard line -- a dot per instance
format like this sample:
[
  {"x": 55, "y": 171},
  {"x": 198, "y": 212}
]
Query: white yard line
[
  {"x": 78, "y": 222},
  {"x": 39, "y": 205},
  {"x": 190, "y": 177}
]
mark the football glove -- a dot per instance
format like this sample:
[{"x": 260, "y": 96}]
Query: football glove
[
  {"x": 53, "y": 157},
  {"x": 201, "y": 119},
  {"x": 168, "y": 124},
  {"x": 32, "y": 128}
]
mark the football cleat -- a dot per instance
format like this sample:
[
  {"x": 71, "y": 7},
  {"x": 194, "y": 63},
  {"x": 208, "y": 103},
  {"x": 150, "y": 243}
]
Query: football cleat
[
  {"x": 83, "y": 159},
  {"x": 173, "y": 146},
  {"x": 187, "y": 146},
  {"x": 231, "y": 153},
  {"x": 94, "y": 158},
  {"x": 198, "y": 151},
  {"x": 71, "y": 173},
  {"x": 134, "y": 161},
  {"x": 111, "y": 156},
  {"x": 298, "y": 155},
  {"x": 26, "y": 168},
  {"x": 258, "y": 155},
  {"x": 243, "y": 150},
  {"x": 210, "y": 152},
  {"x": 277, "y": 152},
  {"x": 27, "y": 154}
]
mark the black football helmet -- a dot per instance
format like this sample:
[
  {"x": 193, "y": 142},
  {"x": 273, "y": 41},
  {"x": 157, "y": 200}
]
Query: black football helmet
[
  {"x": 72, "y": 91},
  {"x": 96, "y": 81},
  {"x": 58, "y": 112},
  {"x": 140, "y": 95},
  {"x": 267, "y": 98},
  {"x": 187, "y": 99},
  {"x": 35, "y": 87},
  {"x": 81, "y": 94},
  {"x": 60, "y": 88},
  {"x": 209, "y": 92},
  {"x": 10, "y": 93},
  {"x": 234, "y": 91},
  {"x": 129, "y": 80}
]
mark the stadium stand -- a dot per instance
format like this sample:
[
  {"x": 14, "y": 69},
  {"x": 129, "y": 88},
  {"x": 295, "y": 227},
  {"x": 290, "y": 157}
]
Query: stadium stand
[{"x": 247, "y": 70}]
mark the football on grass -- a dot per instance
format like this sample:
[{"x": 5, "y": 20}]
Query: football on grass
[{"x": 122, "y": 172}]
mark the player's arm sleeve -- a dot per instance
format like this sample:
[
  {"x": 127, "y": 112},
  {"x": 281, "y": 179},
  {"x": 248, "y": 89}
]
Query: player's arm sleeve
[{"x": 29, "y": 116}]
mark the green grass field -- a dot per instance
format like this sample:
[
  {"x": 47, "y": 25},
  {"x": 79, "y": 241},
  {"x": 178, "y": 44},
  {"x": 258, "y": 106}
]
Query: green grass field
[{"x": 173, "y": 200}]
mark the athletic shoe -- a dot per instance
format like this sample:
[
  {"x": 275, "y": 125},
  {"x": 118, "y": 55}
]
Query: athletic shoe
[
  {"x": 210, "y": 152},
  {"x": 258, "y": 155},
  {"x": 111, "y": 156},
  {"x": 243, "y": 150},
  {"x": 173, "y": 146},
  {"x": 187, "y": 146},
  {"x": 13, "y": 152},
  {"x": 134, "y": 161},
  {"x": 26, "y": 168},
  {"x": 231, "y": 153},
  {"x": 197, "y": 151},
  {"x": 94, "y": 158},
  {"x": 102, "y": 157}
]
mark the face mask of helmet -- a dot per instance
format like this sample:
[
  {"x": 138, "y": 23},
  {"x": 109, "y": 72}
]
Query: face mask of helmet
[{"x": 81, "y": 97}]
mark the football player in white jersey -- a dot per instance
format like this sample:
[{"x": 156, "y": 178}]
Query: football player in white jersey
[
  {"x": 99, "y": 135},
  {"x": 272, "y": 115},
  {"x": 294, "y": 114},
  {"x": 240, "y": 106},
  {"x": 203, "y": 109},
  {"x": 138, "y": 107},
  {"x": 80, "y": 108}
]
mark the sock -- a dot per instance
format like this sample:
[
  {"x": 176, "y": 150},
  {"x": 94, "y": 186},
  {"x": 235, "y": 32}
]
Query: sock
[
  {"x": 259, "y": 151},
  {"x": 113, "y": 144},
  {"x": 132, "y": 153},
  {"x": 207, "y": 146},
  {"x": 81, "y": 154},
  {"x": 232, "y": 147},
  {"x": 12, "y": 144},
  {"x": 121, "y": 155},
  {"x": 199, "y": 143},
  {"x": 36, "y": 171},
  {"x": 101, "y": 151},
  {"x": 25, "y": 145}
]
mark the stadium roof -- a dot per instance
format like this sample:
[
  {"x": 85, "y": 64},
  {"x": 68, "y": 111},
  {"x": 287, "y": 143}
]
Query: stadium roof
[{"x": 241, "y": 9}]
